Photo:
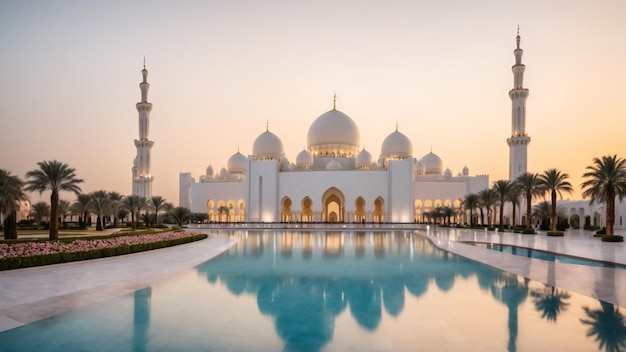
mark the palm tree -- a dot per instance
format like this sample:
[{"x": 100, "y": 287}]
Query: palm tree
[
  {"x": 555, "y": 182},
  {"x": 157, "y": 203},
  {"x": 448, "y": 212},
  {"x": 64, "y": 209},
  {"x": 180, "y": 214},
  {"x": 470, "y": 202},
  {"x": 53, "y": 176},
  {"x": 514, "y": 195},
  {"x": 40, "y": 211},
  {"x": 502, "y": 189},
  {"x": 135, "y": 204},
  {"x": 606, "y": 179},
  {"x": 101, "y": 206},
  {"x": 541, "y": 211},
  {"x": 82, "y": 208},
  {"x": 116, "y": 205},
  {"x": 11, "y": 194},
  {"x": 122, "y": 213},
  {"x": 488, "y": 199},
  {"x": 528, "y": 184}
]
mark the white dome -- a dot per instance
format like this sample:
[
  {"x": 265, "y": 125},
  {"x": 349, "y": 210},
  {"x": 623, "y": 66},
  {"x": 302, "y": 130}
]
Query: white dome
[
  {"x": 202, "y": 178},
  {"x": 465, "y": 171},
  {"x": 304, "y": 160},
  {"x": 363, "y": 159},
  {"x": 223, "y": 174},
  {"x": 237, "y": 164},
  {"x": 397, "y": 146},
  {"x": 267, "y": 146},
  {"x": 433, "y": 164},
  {"x": 292, "y": 167},
  {"x": 334, "y": 134},
  {"x": 334, "y": 165},
  {"x": 420, "y": 168},
  {"x": 447, "y": 173},
  {"x": 209, "y": 170}
]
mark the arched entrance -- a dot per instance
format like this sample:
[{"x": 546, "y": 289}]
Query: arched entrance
[
  {"x": 359, "y": 214},
  {"x": 379, "y": 213},
  {"x": 333, "y": 205},
  {"x": 285, "y": 214},
  {"x": 307, "y": 211}
]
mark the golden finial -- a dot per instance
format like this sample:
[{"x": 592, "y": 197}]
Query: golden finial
[
  {"x": 237, "y": 148},
  {"x": 267, "y": 126},
  {"x": 144, "y": 62},
  {"x": 518, "y": 29},
  {"x": 396, "y": 125},
  {"x": 334, "y": 100}
]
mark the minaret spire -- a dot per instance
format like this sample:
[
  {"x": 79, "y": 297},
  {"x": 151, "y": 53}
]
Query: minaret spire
[
  {"x": 142, "y": 179},
  {"x": 519, "y": 140},
  {"x": 334, "y": 100}
]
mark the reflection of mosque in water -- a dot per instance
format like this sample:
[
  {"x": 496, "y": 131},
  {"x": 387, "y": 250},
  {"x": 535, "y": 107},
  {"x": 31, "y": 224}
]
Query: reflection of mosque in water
[{"x": 306, "y": 280}]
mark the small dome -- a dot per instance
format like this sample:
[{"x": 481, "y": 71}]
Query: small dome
[
  {"x": 433, "y": 164},
  {"x": 465, "y": 171},
  {"x": 447, "y": 173},
  {"x": 304, "y": 160},
  {"x": 292, "y": 167},
  {"x": 333, "y": 165},
  {"x": 420, "y": 168},
  {"x": 334, "y": 134},
  {"x": 267, "y": 147},
  {"x": 209, "y": 171},
  {"x": 223, "y": 174},
  {"x": 202, "y": 178},
  {"x": 374, "y": 166},
  {"x": 363, "y": 159},
  {"x": 237, "y": 164},
  {"x": 397, "y": 146},
  {"x": 284, "y": 163}
]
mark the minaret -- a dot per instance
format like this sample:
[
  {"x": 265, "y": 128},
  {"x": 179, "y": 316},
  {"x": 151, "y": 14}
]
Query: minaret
[
  {"x": 518, "y": 143},
  {"x": 142, "y": 179}
]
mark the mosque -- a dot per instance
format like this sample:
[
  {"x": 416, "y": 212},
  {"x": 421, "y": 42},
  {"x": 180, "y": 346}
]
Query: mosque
[{"x": 335, "y": 180}]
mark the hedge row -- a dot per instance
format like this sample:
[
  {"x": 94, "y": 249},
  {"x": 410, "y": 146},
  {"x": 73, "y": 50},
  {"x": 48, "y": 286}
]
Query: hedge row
[{"x": 65, "y": 257}]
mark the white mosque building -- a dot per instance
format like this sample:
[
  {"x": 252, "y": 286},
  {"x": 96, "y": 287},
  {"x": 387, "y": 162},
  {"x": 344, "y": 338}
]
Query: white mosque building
[{"x": 334, "y": 180}]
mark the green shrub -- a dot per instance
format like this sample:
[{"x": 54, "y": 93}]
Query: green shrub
[
  {"x": 530, "y": 231},
  {"x": 602, "y": 231},
  {"x": 46, "y": 259},
  {"x": 612, "y": 238},
  {"x": 556, "y": 233}
]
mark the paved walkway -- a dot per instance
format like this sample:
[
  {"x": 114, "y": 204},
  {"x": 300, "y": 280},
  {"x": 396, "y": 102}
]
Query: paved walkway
[{"x": 31, "y": 294}]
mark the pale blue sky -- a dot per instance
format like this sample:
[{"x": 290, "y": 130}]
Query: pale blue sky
[{"x": 70, "y": 70}]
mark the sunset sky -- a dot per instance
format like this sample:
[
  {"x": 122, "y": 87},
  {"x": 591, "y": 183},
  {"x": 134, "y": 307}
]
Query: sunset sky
[{"x": 219, "y": 70}]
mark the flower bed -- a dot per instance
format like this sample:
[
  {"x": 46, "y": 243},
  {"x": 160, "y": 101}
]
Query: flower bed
[{"x": 26, "y": 254}]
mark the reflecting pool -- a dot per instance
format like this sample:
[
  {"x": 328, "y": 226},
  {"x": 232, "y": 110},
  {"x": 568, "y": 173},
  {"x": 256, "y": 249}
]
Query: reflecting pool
[{"x": 334, "y": 291}]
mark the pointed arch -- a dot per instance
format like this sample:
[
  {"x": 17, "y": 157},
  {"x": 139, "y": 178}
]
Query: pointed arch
[
  {"x": 379, "y": 212},
  {"x": 359, "y": 213},
  {"x": 210, "y": 209},
  {"x": 241, "y": 210},
  {"x": 307, "y": 210},
  {"x": 333, "y": 203},
  {"x": 285, "y": 213}
]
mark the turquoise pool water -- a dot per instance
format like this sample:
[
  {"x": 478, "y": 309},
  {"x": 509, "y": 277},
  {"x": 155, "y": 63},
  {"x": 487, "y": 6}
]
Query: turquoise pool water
[
  {"x": 334, "y": 291},
  {"x": 543, "y": 255}
]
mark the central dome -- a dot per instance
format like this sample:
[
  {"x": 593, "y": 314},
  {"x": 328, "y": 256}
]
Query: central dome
[{"x": 334, "y": 134}]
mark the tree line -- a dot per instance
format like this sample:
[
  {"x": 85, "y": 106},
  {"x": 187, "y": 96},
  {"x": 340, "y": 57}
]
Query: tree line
[
  {"x": 604, "y": 181},
  {"x": 55, "y": 176}
]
